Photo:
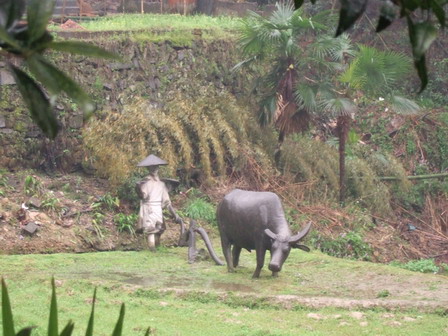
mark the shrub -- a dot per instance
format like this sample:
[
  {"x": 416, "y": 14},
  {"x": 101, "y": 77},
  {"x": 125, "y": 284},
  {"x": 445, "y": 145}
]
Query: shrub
[
  {"x": 32, "y": 185},
  {"x": 206, "y": 132},
  {"x": 348, "y": 245},
  {"x": 200, "y": 208},
  {"x": 422, "y": 265},
  {"x": 126, "y": 190},
  {"x": 125, "y": 222}
]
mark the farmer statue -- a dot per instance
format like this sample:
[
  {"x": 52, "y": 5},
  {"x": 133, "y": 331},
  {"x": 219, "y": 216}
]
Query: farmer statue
[{"x": 153, "y": 193}]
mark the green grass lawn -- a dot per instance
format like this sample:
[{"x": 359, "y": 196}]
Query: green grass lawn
[
  {"x": 180, "y": 30},
  {"x": 158, "y": 21},
  {"x": 162, "y": 291},
  {"x": 155, "y": 28}
]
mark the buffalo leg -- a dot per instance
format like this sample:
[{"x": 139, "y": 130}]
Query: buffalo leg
[
  {"x": 236, "y": 255},
  {"x": 260, "y": 262},
  {"x": 226, "y": 250}
]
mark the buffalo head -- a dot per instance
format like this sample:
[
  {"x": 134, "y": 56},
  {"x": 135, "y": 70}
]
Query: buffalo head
[{"x": 281, "y": 246}]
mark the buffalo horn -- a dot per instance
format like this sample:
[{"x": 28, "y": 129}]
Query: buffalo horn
[
  {"x": 294, "y": 239},
  {"x": 270, "y": 234}
]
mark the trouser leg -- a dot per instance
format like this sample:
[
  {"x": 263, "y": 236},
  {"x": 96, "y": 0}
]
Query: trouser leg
[{"x": 152, "y": 241}]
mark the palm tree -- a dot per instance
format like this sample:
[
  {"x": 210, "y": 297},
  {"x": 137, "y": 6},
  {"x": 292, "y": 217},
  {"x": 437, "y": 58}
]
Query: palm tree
[
  {"x": 273, "y": 41},
  {"x": 302, "y": 79},
  {"x": 321, "y": 91},
  {"x": 369, "y": 71}
]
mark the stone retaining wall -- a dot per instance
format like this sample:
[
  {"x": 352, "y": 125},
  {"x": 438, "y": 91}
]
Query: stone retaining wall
[{"x": 156, "y": 71}]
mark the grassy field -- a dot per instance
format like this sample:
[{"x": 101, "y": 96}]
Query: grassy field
[
  {"x": 314, "y": 295},
  {"x": 158, "y": 21},
  {"x": 161, "y": 27}
]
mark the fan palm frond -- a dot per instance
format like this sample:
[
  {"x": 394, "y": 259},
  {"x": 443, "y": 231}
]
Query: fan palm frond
[
  {"x": 336, "y": 49},
  {"x": 249, "y": 38},
  {"x": 283, "y": 13},
  {"x": 266, "y": 112},
  {"x": 306, "y": 96},
  {"x": 404, "y": 106},
  {"x": 244, "y": 63},
  {"x": 338, "y": 106},
  {"x": 323, "y": 20},
  {"x": 375, "y": 71}
]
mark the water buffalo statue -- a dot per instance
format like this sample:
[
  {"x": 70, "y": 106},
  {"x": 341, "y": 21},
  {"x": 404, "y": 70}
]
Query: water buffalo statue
[{"x": 256, "y": 220}]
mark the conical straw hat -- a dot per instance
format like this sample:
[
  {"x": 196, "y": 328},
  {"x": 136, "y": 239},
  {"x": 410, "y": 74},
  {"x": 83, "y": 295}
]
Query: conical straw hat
[{"x": 152, "y": 160}]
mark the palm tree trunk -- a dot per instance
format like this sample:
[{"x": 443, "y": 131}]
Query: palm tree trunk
[{"x": 343, "y": 125}]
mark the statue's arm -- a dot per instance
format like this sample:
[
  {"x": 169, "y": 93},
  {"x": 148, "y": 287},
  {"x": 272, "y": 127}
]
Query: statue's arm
[{"x": 173, "y": 213}]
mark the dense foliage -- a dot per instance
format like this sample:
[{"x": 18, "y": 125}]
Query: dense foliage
[{"x": 209, "y": 135}]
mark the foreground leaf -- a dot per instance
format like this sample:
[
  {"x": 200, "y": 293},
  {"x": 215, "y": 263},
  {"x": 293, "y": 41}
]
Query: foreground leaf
[
  {"x": 350, "y": 11},
  {"x": 420, "y": 65},
  {"x": 53, "y": 320},
  {"x": 89, "y": 331},
  {"x": 38, "y": 15},
  {"x": 424, "y": 35},
  {"x": 37, "y": 102},
  {"x": 57, "y": 81},
  {"x": 82, "y": 48},
  {"x": 25, "y": 331},
  {"x": 11, "y": 12},
  {"x": 119, "y": 325},
  {"x": 387, "y": 16},
  {"x": 439, "y": 12},
  {"x": 68, "y": 330},
  {"x": 5, "y": 37},
  {"x": 8, "y": 323}
]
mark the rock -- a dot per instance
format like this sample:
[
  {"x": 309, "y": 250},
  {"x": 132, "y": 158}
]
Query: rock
[
  {"x": 315, "y": 316},
  {"x": 33, "y": 133},
  {"x": 30, "y": 228},
  {"x": 76, "y": 121},
  {"x": 2, "y": 121},
  {"x": 388, "y": 315},
  {"x": 344, "y": 323},
  {"x": 58, "y": 283},
  {"x": 357, "y": 315},
  {"x": 408, "y": 319},
  {"x": 108, "y": 86},
  {"x": 6, "y": 78},
  {"x": 394, "y": 323},
  {"x": 121, "y": 66},
  {"x": 34, "y": 202}
]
